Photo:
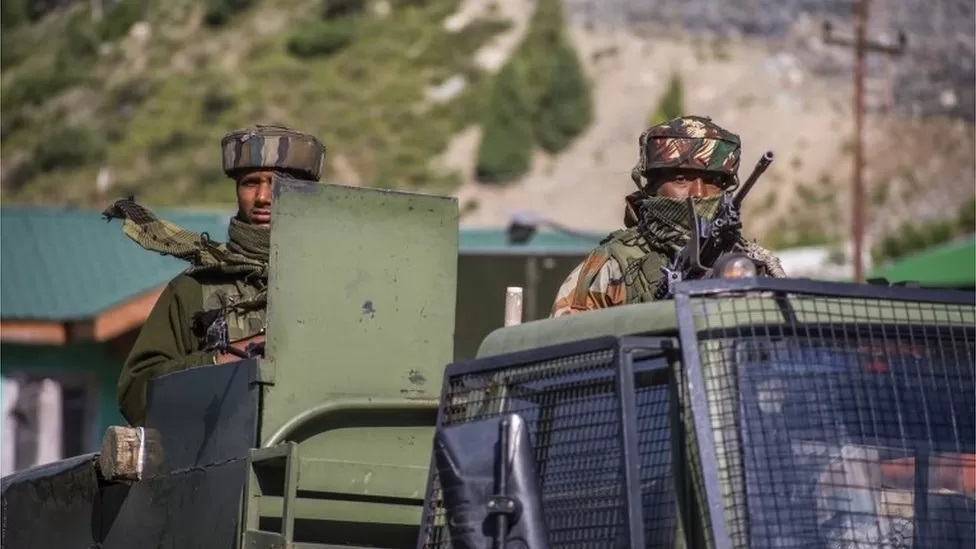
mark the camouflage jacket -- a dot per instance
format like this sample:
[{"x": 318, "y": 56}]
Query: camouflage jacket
[
  {"x": 596, "y": 283},
  {"x": 599, "y": 282}
]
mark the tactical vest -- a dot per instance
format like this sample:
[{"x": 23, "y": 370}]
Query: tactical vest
[
  {"x": 640, "y": 264},
  {"x": 240, "y": 324}
]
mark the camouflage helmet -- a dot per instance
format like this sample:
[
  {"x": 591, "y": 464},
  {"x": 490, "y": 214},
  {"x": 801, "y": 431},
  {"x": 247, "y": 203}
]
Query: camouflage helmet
[
  {"x": 692, "y": 142},
  {"x": 271, "y": 147}
]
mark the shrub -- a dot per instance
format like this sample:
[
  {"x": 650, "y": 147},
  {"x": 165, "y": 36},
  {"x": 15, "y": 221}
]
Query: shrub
[
  {"x": 215, "y": 102},
  {"x": 338, "y": 9},
  {"x": 219, "y": 12},
  {"x": 564, "y": 108},
  {"x": 81, "y": 40},
  {"x": 12, "y": 123},
  {"x": 12, "y": 50},
  {"x": 119, "y": 19},
  {"x": 19, "y": 175},
  {"x": 35, "y": 87},
  {"x": 967, "y": 216},
  {"x": 321, "y": 38},
  {"x": 913, "y": 238},
  {"x": 65, "y": 147},
  {"x": 505, "y": 151},
  {"x": 672, "y": 104},
  {"x": 13, "y": 13},
  {"x": 553, "y": 96}
]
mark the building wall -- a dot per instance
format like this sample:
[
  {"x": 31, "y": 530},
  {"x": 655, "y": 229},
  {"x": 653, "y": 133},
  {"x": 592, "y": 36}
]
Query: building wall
[
  {"x": 482, "y": 280},
  {"x": 86, "y": 375}
]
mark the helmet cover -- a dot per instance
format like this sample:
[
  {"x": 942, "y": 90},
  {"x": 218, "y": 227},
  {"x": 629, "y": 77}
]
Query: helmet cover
[
  {"x": 688, "y": 142},
  {"x": 272, "y": 147}
]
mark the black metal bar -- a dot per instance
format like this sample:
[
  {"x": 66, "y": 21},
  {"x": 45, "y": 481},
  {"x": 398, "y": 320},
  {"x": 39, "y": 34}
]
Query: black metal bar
[
  {"x": 679, "y": 460},
  {"x": 501, "y": 483},
  {"x": 529, "y": 356},
  {"x": 761, "y": 165},
  {"x": 520, "y": 391},
  {"x": 823, "y": 288},
  {"x": 630, "y": 456},
  {"x": 544, "y": 445},
  {"x": 691, "y": 362},
  {"x": 848, "y": 328},
  {"x": 921, "y": 498}
]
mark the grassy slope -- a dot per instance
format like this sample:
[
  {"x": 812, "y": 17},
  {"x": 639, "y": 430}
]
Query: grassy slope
[{"x": 162, "y": 104}]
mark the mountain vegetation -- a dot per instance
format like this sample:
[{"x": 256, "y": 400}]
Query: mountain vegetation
[{"x": 139, "y": 92}]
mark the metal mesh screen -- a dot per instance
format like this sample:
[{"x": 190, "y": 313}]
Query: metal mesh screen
[
  {"x": 837, "y": 423},
  {"x": 572, "y": 406}
]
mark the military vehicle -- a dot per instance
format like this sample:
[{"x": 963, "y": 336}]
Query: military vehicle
[{"x": 742, "y": 412}]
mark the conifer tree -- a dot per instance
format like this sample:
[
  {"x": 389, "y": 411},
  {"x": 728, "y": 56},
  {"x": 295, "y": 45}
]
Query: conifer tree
[{"x": 505, "y": 151}]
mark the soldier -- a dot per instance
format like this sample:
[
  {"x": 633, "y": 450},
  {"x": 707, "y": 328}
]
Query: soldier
[
  {"x": 687, "y": 156},
  {"x": 217, "y": 305}
]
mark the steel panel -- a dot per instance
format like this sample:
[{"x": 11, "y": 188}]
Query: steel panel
[
  {"x": 194, "y": 508},
  {"x": 204, "y": 415},
  {"x": 51, "y": 506}
]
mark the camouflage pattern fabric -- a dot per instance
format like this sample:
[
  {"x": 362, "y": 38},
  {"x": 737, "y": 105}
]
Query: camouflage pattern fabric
[
  {"x": 245, "y": 254},
  {"x": 272, "y": 147},
  {"x": 247, "y": 251},
  {"x": 688, "y": 142},
  {"x": 596, "y": 283},
  {"x": 599, "y": 280}
]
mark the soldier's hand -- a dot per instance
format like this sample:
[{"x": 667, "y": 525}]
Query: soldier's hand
[{"x": 224, "y": 358}]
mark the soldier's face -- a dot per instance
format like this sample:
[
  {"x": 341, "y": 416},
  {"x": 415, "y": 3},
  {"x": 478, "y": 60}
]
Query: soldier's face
[
  {"x": 684, "y": 183},
  {"x": 254, "y": 198}
]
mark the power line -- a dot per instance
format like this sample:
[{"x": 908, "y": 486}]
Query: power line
[{"x": 861, "y": 47}]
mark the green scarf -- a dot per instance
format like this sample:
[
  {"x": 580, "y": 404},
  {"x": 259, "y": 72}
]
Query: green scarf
[
  {"x": 667, "y": 223},
  {"x": 246, "y": 254}
]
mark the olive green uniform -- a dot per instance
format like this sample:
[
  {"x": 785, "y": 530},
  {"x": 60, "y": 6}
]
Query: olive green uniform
[
  {"x": 167, "y": 343},
  {"x": 225, "y": 286}
]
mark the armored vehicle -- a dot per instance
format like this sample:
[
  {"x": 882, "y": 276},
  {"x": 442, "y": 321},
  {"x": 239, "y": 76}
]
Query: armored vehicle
[{"x": 739, "y": 413}]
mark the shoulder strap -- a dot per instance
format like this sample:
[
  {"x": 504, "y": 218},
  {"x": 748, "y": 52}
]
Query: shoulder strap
[{"x": 589, "y": 270}]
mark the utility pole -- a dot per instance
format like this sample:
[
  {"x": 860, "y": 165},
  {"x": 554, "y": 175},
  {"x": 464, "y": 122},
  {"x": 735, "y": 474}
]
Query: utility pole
[{"x": 861, "y": 47}]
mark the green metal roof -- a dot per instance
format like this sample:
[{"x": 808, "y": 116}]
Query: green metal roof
[
  {"x": 69, "y": 264},
  {"x": 495, "y": 241},
  {"x": 951, "y": 265}
]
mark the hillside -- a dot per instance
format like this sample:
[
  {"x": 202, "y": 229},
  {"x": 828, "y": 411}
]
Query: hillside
[
  {"x": 402, "y": 94},
  {"x": 803, "y": 199},
  {"x": 148, "y": 95}
]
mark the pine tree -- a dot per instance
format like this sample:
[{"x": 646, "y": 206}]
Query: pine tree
[
  {"x": 505, "y": 151},
  {"x": 672, "y": 103},
  {"x": 564, "y": 109}
]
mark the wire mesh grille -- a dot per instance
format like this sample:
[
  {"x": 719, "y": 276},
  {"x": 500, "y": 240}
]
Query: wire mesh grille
[
  {"x": 572, "y": 408},
  {"x": 851, "y": 424}
]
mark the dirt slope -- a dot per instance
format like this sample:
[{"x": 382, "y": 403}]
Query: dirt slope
[{"x": 757, "y": 93}]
